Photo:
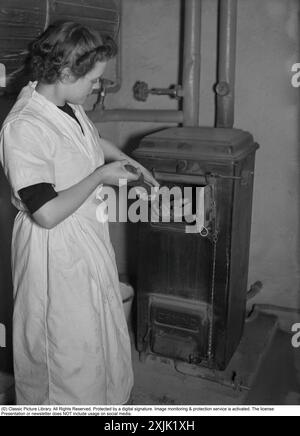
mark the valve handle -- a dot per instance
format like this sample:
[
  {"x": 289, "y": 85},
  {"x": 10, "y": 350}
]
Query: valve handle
[
  {"x": 223, "y": 89},
  {"x": 141, "y": 91}
]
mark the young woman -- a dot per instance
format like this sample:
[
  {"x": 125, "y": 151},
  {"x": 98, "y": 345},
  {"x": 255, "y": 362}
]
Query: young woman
[{"x": 71, "y": 342}]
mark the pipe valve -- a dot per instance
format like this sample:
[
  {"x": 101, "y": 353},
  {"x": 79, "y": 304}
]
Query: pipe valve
[
  {"x": 222, "y": 89},
  {"x": 104, "y": 85},
  {"x": 141, "y": 91}
]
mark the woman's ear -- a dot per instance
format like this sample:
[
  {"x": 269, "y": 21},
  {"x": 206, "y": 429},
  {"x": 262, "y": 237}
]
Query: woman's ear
[{"x": 66, "y": 76}]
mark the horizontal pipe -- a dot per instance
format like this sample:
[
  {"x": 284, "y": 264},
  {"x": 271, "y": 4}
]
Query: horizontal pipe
[
  {"x": 147, "y": 116},
  {"x": 192, "y": 62},
  {"x": 227, "y": 63}
]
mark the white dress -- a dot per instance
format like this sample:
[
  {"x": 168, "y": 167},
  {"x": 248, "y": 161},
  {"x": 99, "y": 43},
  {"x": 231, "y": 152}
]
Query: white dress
[{"x": 71, "y": 341}]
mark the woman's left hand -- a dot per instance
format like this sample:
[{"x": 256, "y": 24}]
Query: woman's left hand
[{"x": 147, "y": 175}]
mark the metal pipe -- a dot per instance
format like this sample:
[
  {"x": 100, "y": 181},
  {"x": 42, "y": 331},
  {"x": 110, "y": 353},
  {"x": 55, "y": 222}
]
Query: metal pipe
[
  {"x": 191, "y": 81},
  {"x": 192, "y": 62},
  {"x": 118, "y": 83},
  {"x": 147, "y": 116},
  {"x": 227, "y": 63}
]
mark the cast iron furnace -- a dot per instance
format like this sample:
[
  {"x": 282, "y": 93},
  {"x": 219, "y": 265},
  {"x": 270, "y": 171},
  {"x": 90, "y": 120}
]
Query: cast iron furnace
[{"x": 192, "y": 286}]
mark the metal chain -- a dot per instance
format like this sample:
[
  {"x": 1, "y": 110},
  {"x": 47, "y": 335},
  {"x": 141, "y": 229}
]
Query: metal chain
[{"x": 212, "y": 301}]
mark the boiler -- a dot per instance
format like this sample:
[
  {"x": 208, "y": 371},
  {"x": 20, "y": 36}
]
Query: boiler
[{"x": 191, "y": 292}]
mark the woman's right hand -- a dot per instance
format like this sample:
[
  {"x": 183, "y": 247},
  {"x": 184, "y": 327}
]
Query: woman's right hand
[{"x": 112, "y": 173}]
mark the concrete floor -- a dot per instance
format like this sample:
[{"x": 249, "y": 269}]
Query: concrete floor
[
  {"x": 275, "y": 381},
  {"x": 278, "y": 381}
]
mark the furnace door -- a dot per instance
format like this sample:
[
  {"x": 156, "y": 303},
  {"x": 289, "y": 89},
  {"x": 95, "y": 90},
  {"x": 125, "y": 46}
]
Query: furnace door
[{"x": 175, "y": 271}]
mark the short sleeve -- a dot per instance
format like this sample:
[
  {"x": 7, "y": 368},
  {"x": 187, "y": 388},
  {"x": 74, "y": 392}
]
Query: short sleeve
[{"x": 26, "y": 155}]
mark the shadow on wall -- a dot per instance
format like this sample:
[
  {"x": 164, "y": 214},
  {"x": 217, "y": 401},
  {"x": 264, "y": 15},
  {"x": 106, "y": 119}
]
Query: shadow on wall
[{"x": 7, "y": 215}]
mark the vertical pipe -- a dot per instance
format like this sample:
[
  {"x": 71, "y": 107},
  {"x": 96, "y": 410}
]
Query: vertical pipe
[
  {"x": 118, "y": 84},
  {"x": 192, "y": 62},
  {"x": 227, "y": 63}
]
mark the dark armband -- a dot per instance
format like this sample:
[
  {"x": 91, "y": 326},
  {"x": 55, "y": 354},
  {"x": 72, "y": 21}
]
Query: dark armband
[{"x": 36, "y": 196}]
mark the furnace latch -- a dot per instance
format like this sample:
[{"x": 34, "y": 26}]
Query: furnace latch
[{"x": 245, "y": 177}]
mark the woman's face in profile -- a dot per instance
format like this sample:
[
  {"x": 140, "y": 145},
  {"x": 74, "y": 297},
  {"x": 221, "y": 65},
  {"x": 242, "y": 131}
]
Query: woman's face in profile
[{"x": 81, "y": 89}]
